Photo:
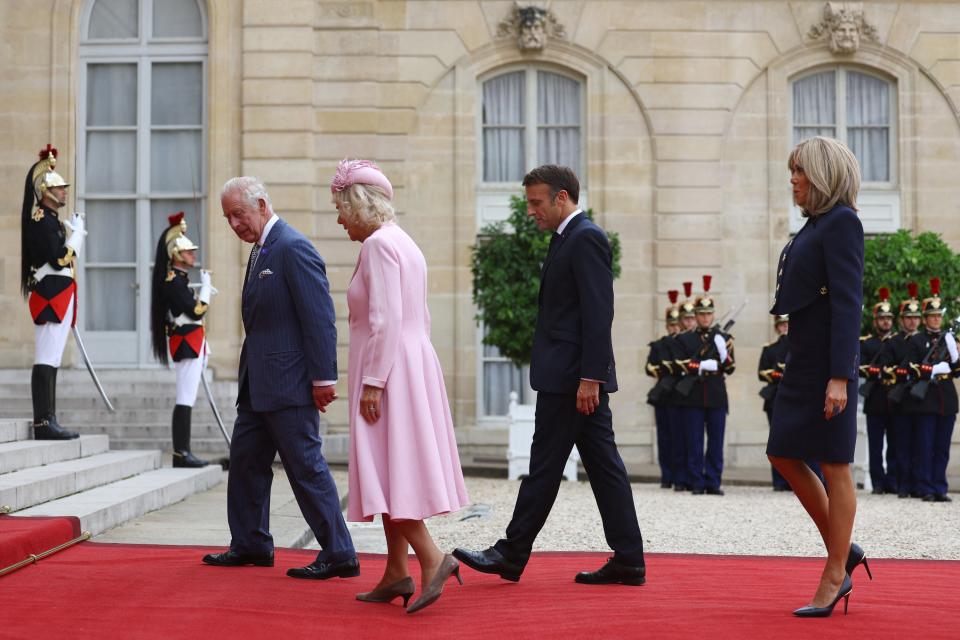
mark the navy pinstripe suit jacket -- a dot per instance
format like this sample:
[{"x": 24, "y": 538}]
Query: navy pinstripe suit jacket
[{"x": 290, "y": 324}]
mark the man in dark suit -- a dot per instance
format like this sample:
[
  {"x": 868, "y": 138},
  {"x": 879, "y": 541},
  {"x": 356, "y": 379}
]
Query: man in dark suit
[
  {"x": 288, "y": 368},
  {"x": 572, "y": 369}
]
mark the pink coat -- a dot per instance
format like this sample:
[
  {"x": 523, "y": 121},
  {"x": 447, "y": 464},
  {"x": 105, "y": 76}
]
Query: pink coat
[{"x": 406, "y": 463}]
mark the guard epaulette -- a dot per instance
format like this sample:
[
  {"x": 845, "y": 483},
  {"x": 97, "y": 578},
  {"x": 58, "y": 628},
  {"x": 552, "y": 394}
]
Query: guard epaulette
[
  {"x": 171, "y": 274},
  {"x": 866, "y": 337},
  {"x": 38, "y": 215}
]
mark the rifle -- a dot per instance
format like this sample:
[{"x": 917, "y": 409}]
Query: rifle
[
  {"x": 867, "y": 387},
  {"x": 665, "y": 381},
  {"x": 769, "y": 390},
  {"x": 919, "y": 388},
  {"x": 895, "y": 394},
  {"x": 709, "y": 348}
]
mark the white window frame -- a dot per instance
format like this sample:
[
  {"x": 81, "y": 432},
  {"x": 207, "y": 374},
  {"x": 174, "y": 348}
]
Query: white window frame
[
  {"x": 879, "y": 201},
  {"x": 143, "y": 51},
  {"x": 493, "y": 198}
]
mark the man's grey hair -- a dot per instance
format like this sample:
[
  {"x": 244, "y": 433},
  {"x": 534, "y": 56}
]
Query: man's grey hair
[{"x": 251, "y": 187}]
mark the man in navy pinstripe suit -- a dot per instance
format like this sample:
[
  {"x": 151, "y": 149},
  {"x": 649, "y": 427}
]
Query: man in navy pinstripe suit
[{"x": 288, "y": 369}]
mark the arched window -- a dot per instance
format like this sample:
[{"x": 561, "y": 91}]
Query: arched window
[
  {"x": 528, "y": 116},
  {"x": 140, "y": 152},
  {"x": 858, "y": 108}
]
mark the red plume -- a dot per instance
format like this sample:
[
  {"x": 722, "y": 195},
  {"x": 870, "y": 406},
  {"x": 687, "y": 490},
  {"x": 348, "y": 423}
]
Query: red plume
[
  {"x": 912, "y": 289},
  {"x": 672, "y": 294},
  {"x": 687, "y": 289},
  {"x": 706, "y": 283},
  {"x": 47, "y": 151},
  {"x": 175, "y": 219},
  {"x": 884, "y": 294},
  {"x": 935, "y": 286}
]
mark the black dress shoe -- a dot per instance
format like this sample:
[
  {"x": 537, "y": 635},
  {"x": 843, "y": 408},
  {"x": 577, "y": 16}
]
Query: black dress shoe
[
  {"x": 903, "y": 494},
  {"x": 876, "y": 491},
  {"x": 320, "y": 570},
  {"x": 714, "y": 491},
  {"x": 928, "y": 497},
  {"x": 489, "y": 561},
  {"x": 942, "y": 497},
  {"x": 185, "y": 459},
  {"x": 697, "y": 492},
  {"x": 614, "y": 573},
  {"x": 665, "y": 485},
  {"x": 778, "y": 488},
  {"x": 234, "y": 559},
  {"x": 681, "y": 487}
]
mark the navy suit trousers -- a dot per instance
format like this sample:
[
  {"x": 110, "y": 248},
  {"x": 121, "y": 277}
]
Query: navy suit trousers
[
  {"x": 558, "y": 428},
  {"x": 294, "y": 433}
]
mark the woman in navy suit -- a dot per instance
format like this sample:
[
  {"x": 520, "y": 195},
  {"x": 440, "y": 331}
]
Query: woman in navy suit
[{"x": 819, "y": 283}]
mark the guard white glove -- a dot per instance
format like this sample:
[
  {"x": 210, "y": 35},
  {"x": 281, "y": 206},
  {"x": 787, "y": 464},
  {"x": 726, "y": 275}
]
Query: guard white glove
[
  {"x": 78, "y": 231},
  {"x": 951, "y": 346},
  {"x": 708, "y": 365},
  {"x": 206, "y": 288},
  {"x": 940, "y": 368},
  {"x": 721, "y": 347}
]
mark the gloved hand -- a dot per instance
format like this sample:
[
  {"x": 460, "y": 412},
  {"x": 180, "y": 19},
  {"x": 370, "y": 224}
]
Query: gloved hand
[
  {"x": 206, "y": 287},
  {"x": 721, "y": 347},
  {"x": 940, "y": 368},
  {"x": 78, "y": 231},
  {"x": 951, "y": 346},
  {"x": 708, "y": 365}
]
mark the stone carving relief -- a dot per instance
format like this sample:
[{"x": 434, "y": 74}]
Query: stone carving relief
[
  {"x": 531, "y": 23},
  {"x": 843, "y": 26}
]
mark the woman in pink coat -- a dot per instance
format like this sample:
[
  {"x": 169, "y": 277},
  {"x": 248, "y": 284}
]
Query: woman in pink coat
[{"x": 403, "y": 454}]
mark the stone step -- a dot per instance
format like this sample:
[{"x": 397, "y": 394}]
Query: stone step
[
  {"x": 68, "y": 418},
  {"x": 85, "y": 389},
  {"x": 161, "y": 432},
  {"x": 13, "y": 430},
  {"x": 66, "y": 374},
  {"x": 36, "y": 485},
  {"x": 104, "y": 507},
  {"x": 24, "y": 454},
  {"x": 24, "y": 404},
  {"x": 208, "y": 448}
]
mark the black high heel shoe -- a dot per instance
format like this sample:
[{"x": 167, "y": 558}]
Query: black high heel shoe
[
  {"x": 811, "y": 611},
  {"x": 857, "y": 556}
]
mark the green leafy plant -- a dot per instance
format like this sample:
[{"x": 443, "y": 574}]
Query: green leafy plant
[
  {"x": 506, "y": 279},
  {"x": 893, "y": 260}
]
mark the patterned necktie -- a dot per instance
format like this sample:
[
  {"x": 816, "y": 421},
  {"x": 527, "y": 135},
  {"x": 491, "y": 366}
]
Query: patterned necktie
[{"x": 254, "y": 253}]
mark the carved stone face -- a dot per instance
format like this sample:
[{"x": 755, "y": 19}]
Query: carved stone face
[
  {"x": 845, "y": 37},
  {"x": 532, "y": 33}
]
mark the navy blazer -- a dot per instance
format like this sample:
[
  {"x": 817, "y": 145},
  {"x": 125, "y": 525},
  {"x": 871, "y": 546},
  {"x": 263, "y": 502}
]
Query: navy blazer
[
  {"x": 572, "y": 338},
  {"x": 826, "y": 259},
  {"x": 290, "y": 324}
]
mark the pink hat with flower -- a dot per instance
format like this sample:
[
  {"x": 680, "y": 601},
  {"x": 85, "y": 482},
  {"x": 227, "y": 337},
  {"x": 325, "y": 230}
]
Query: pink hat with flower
[{"x": 351, "y": 172}]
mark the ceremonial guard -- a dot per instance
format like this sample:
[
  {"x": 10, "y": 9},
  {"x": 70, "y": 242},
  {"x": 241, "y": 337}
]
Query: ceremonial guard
[
  {"x": 49, "y": 247},
  {"x": 660, "y": 367},
  {"x": 773, "y": 359},
  {"x": 896, "y": 376},
  {"x": 688, "y": 323},
  {"x": 177, "y": 314},
  {"x": 873, "y": 360},
  {"x": 934, "y": 363},
  {"x": 707, "y": 357}
]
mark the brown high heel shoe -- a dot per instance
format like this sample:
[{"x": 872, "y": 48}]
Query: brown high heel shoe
[
  {"x": 403, "y": 588},
  {"x": 448, "y": 566}
]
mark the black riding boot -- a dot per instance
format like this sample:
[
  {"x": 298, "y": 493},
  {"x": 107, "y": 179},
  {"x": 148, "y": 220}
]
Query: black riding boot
[
  {"x": 43, "y": 386},
  {"x": 181, "y": 439}
]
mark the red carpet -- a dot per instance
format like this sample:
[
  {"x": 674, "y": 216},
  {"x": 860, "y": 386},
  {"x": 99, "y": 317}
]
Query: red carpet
[
  {"x": 22, "y": 537},
  {"x": 130, "y": 591}
]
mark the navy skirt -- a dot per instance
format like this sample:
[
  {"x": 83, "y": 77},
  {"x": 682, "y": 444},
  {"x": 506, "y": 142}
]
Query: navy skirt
[{"x": 798, "y": 427}]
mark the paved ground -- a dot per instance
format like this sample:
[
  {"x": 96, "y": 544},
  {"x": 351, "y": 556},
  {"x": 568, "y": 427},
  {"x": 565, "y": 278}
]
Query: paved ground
[{"x": 747, "y": 520}]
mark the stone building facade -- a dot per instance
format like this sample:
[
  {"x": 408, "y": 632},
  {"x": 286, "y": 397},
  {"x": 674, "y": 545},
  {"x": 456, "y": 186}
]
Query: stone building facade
[{"x": 678, "y": 114}]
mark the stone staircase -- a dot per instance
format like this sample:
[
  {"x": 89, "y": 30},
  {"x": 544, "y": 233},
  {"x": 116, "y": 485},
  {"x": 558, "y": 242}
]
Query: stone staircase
[
  {"x": 84, "y": 478},
  {"x": 143, "y": 400}
]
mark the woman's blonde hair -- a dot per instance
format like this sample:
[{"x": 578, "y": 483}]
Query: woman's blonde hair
[
  {"x": 832, "y": 171},
  {"x": 365, "y": 204}
]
